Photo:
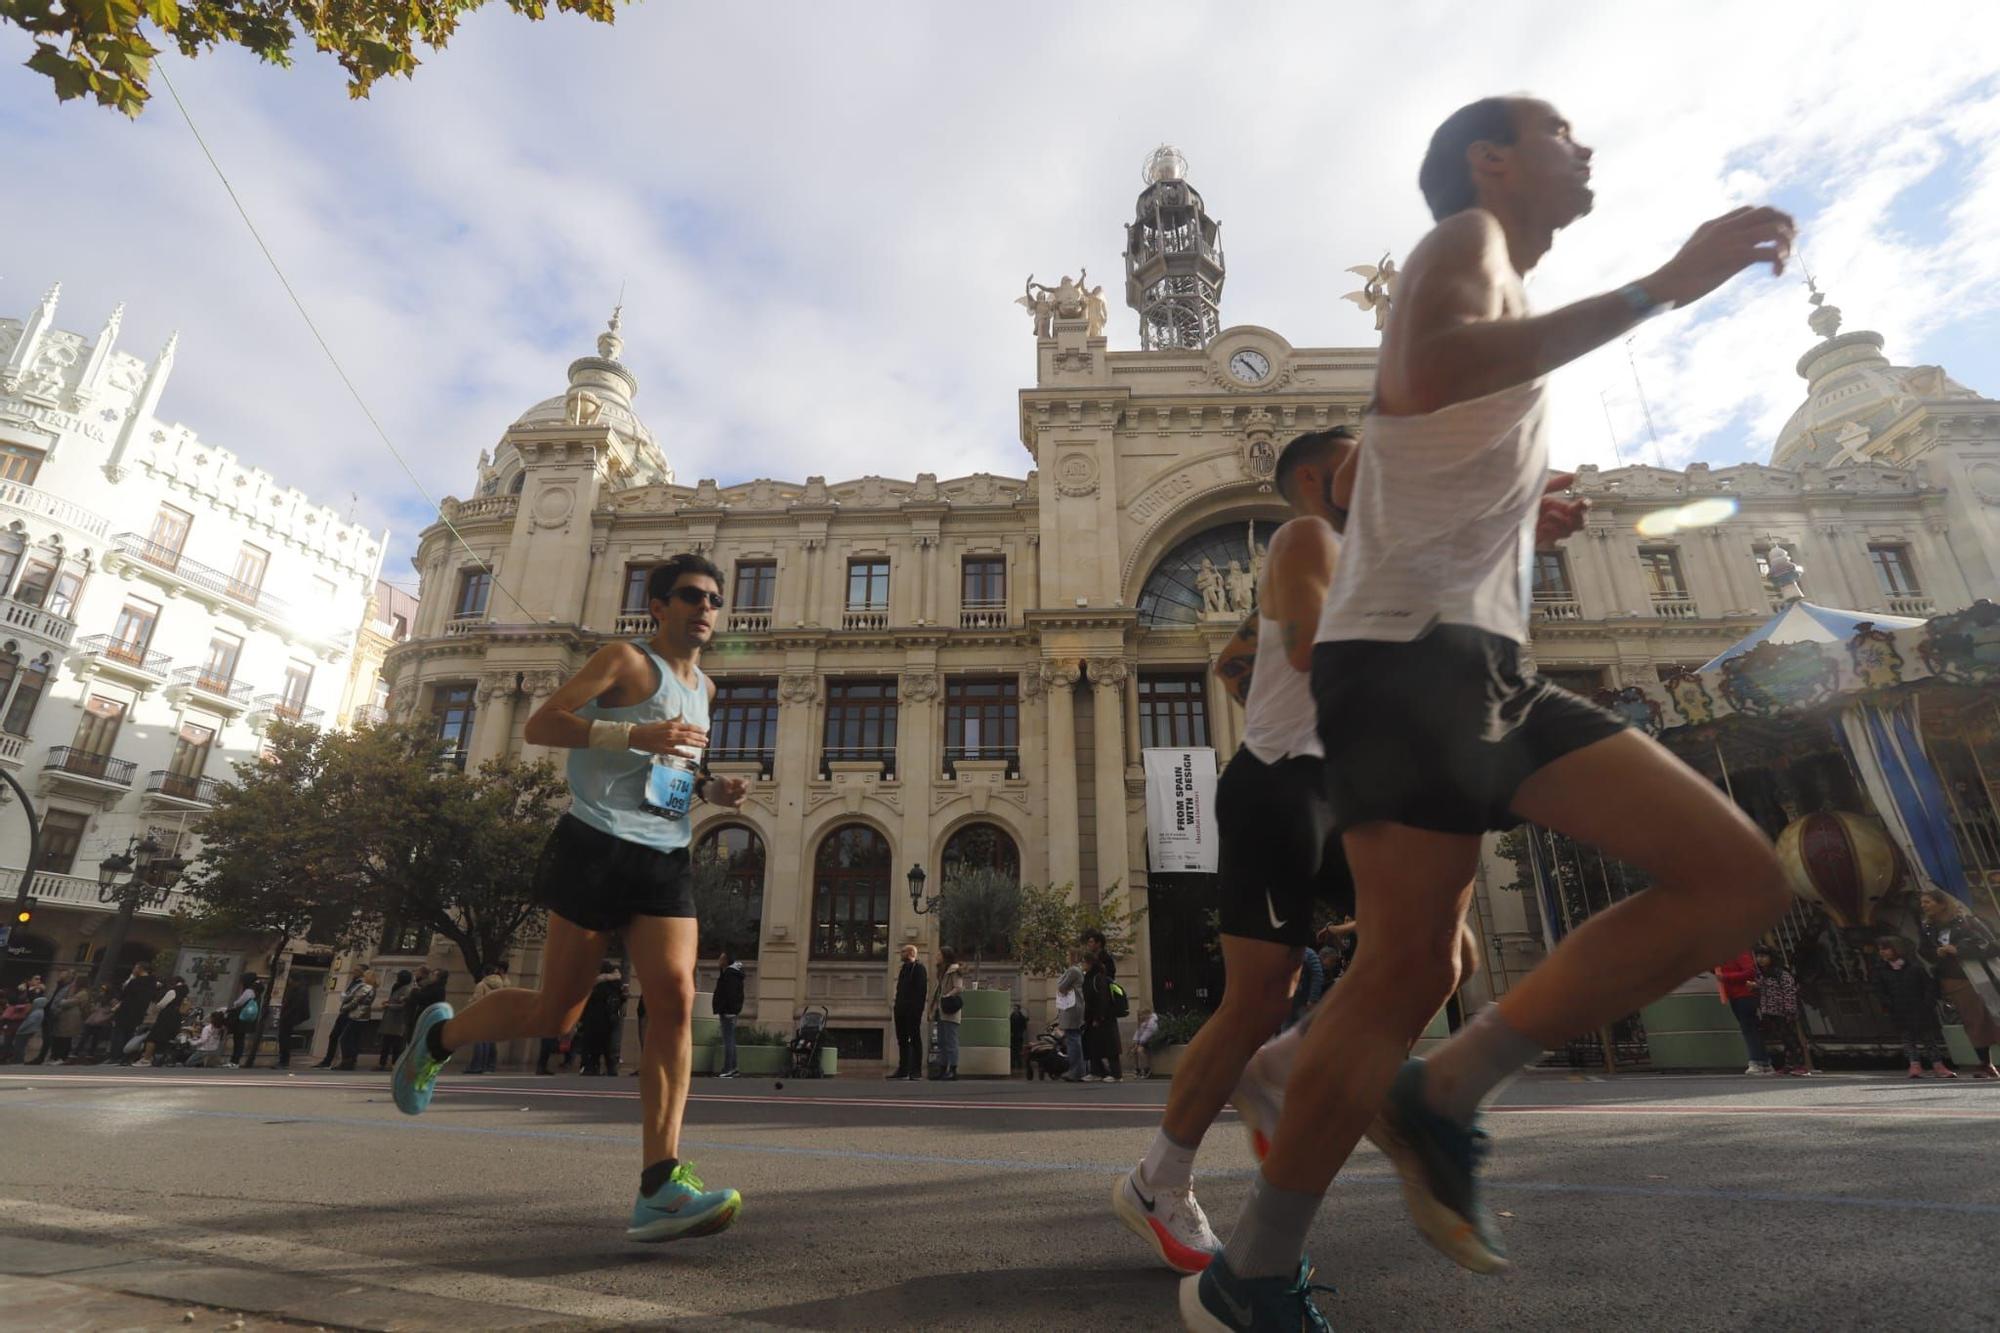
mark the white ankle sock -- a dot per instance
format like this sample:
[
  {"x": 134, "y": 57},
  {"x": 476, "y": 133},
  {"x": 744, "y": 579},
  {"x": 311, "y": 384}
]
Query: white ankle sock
[{"x": 1168, "y": 1165}]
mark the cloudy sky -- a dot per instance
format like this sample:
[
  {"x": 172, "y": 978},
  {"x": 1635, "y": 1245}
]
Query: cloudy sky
[{"x": 819, "y": 215}]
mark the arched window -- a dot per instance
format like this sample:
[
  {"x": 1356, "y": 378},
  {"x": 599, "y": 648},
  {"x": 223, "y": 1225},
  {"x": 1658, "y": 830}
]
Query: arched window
[
  {"x": 21, "y": 709},
  {"x": 981, "y": 847},
  {"x": 1180, "y": 590},
  {"x": 851, "y": 895},
  {"x": 729, "y": 890},
  {"x": 520, "y": 480}
]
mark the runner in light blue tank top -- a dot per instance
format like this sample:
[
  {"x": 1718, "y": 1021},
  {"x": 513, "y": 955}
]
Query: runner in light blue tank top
[{"x": 608, "y": 787}]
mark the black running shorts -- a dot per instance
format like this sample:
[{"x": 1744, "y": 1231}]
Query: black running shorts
[
  {"x": 599, "y": 882},
  {"x": 1437, "y": 733},
  {"x": 1279, "y": 851}
]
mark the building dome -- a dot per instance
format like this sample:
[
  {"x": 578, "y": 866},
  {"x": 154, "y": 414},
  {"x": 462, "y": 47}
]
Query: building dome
[
  {"x": 612, "y": 412},
  {"x": 1854, "y": 395},
  {"x": 606, "y": 381}
]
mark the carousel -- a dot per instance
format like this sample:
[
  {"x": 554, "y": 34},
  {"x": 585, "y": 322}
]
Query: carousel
[{"x": 1868, "y": 747}]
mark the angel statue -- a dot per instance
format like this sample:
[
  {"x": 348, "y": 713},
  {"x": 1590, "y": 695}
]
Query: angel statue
[
  {"x": 1040, "y": 303},
  {"x": 1378, "y": 289},
  {"x": 1214, "y": 597},
  {"x": 1069, "y": 295},
  {"x": 1096, "y": 312}
]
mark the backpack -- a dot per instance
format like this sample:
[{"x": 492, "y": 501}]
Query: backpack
[{"x": 1120, "y": 1006}]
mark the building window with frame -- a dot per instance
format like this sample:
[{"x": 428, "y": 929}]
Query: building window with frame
[
  {"x": 729, "y": 890},
  {"x": 743, "y": 723},
  {"x": 982, "y": 720},
  {"x": 132, "y": 634},
  {"x": 980, "y": 847},
  {"x": 246, "y": 580},
  {"x": 405, "y": 939},
  {"x": 218, "y": 669},
  {"x": 19, "y": 463},
  {"x": 21, "y": 708},
  {"x": 62, "y": 838},
  {"x": 97, "y": 730},
  {"x": 1662, "y": 567},
  {"x": 867, "y": 594},
  {"x": 860, "y": 724},
  {"x": 756, "y": 590},
  {"x": 1895, "y": 571},
  {"x": 1551, "y": 577},
  {"x": 36, "y": 581},
  {"x": 636, "y": 602},
  {"x": 452, "y": 705},
  {"x": 982, "y": 592},
  {"x": 1173, "y": 710},
  {"x": 190, "y": 760},
  {"x": 298, "y": 685},
  {"x": 168, "y": 537},
  {"x": 851, "y": 895},
  {"x": 474, "y": 587},
  {"x": 10, "y": 667},
  {"x": 12, "y": 546},
  {"x": 62, "y": 596}
]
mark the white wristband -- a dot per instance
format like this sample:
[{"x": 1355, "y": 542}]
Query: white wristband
[{"x": 610, "y": 735}]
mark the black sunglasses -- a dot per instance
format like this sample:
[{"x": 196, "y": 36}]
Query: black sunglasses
[{"x": 699, "y": 596}]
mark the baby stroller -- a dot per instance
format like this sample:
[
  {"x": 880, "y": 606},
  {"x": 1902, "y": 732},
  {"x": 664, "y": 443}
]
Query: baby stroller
[
  {"x": 806, "y": 1041},
  {"x": 1046, "y": 1055}
]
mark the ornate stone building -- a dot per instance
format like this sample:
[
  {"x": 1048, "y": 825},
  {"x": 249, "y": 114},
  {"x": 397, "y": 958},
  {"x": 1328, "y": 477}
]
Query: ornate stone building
[{"x": 962, "y": 671}]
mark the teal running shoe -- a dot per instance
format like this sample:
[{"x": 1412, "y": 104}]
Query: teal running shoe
[
  {"x": 681, "y": 1208},
  {"x": 416, "y": 1069},
  {"x": 1215, "y": 1300},
  {"x": 1439, "y": 1162}
]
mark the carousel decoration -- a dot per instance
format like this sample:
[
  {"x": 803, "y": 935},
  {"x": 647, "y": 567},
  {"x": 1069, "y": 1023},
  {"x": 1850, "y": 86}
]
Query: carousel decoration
[
  {"x": 1964, "y": 647},
  {"x": 1842, "y": 861}
]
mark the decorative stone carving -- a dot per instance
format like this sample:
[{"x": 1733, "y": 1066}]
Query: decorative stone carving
[
  {"x": 918, "y": 687},
  {"x": 1378, "y": 288},
  {"x": 1242, "y": 589},
  {"x": 926, "y": 489},
  {"x": 798, "y": 687},
  {"x": 1214, "y": 595},
  {"x": 1061, "y": 673},
  {"x": 1108, "y": 673},
  {"x": 1096, "y": 312},
  {"x": 541, "y": 684},
  {"x": 553, "y": 506},
  {"x": 1032, "y": 684},
  {"x": 1076, "y": 474}
]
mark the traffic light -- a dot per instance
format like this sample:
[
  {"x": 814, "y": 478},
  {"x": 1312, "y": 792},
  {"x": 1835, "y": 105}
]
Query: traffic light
[{"x": 24, "y": 911}]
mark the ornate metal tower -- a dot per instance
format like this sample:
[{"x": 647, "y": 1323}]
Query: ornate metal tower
[{"x": 1174, "y": 268}]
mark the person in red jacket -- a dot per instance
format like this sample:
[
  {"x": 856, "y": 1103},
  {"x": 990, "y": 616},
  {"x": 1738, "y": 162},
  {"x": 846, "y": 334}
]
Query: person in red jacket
[{"x": 1738, "y": 978}]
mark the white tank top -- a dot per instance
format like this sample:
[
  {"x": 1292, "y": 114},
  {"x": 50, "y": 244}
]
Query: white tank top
[
  {"x": 1442, "y": 526},
  {"x": 1280, "y": 720}
]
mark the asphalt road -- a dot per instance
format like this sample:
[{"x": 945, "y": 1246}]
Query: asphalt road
[{"x": 1642, "y": 1202}]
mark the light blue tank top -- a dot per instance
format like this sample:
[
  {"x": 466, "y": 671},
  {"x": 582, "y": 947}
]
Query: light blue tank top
[{"x": 608, "y": 787}]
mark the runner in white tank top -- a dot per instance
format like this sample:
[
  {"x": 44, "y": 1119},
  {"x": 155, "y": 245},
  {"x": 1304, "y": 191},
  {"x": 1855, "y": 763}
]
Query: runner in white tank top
[
  {"x": 1434, "y": 734},
  {"x": 1280, "y": 719}
]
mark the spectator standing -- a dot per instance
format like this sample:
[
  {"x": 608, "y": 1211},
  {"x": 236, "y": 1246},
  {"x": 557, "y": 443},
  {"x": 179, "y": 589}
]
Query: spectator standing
[
  {"x": 602, "y": 1013},
  {"x": 342, "y": 1018},
  {"x": 485, "y": 1055},
  {"x": 135, "y": 998},
  {"x": 29, "y": 1033},
  {"x": 727, "y": 1004},
  {"x": 913, "y": 988},
  {"x": 1778, "y": 1013},
  {"x": 166, "y": 1028},
  {"x": 947, "y": 1011},
  {"x": 1962, "y": 954},
  {"x": 1737, "y": 979},
  {"x": 245, "y": 1012},
  {"x": 1910, "y": 996},
  {"x": 1017, "y": 1035},
  {"x": 356, "y": 1008},
  {"x": 1070, "y": 1015},
  {"x": 293, "y": 1010},
  {"x": 65, "y": 1022},
  {"x": 1100, "y": 1024},
  {"x": 395, "y": 1019},
  {"x": 1143, "y": 1038}
]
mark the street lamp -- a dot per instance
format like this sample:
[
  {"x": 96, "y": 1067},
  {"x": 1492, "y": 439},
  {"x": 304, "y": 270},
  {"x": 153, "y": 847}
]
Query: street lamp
[
  {"x": 918, "y": 902},
  {"x": 148, "y": 879}
]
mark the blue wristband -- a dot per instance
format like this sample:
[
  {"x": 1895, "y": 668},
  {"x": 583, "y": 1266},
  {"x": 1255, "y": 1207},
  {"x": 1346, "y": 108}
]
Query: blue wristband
[{"x": 1640, "y": 301}]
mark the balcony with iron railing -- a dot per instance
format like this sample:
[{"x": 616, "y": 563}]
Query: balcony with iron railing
[
  {"x": 98, "y": 769},
  {"x": 51, "y": 889},
  {"x": 27, "y": 618},
  {"x": 865, "y": 618},
  {"x": 122, "y": 657},
  {"x": 873, "y": 756},
  {"x": 214, "y": 689},
  {"x": 43, "y": 504},
  {"x": 983, "y": 614},
  {"x": 765, "y": 757},
  {"x": 174, "y": 568},
  {"x": 954, "y": 755},
  {"x": 286, "y": 709},
  {"x": 181, "y": 789}
]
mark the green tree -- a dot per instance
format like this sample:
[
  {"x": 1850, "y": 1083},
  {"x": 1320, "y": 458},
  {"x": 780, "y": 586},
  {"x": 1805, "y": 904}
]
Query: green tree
[
  {"x": 1051, "y": 925},
  {"x": 271, "y": 862},
  {"x": 980, "y": 913},
  {"x": 105, "y": 48}
]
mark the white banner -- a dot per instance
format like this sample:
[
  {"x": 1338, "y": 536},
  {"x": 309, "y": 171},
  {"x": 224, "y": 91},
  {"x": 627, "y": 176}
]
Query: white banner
[{"x": 1180, "y": 809}]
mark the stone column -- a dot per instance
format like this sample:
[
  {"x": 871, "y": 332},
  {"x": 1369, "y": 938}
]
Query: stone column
[
  {"x": 537, "y": 686},
  {"x": 493, "y": 724},
  {"x": 781, "y": 958},
  {"x": 1601, "y": 597},
  {"x": 1108, "y": 675},
  {"x": 1059, "y": 679},
  {"x": 1842, "y": 548}
]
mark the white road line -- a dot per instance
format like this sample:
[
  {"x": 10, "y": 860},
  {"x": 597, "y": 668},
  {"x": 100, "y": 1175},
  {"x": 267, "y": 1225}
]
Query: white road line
[{"x": 269, "y": 1253}]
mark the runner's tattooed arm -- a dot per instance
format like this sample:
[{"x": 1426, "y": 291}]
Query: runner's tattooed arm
[{"x": 1239, "y": 660}]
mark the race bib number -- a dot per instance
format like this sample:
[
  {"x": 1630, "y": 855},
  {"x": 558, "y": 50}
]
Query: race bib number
[{"x": 669, "y": 790}]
